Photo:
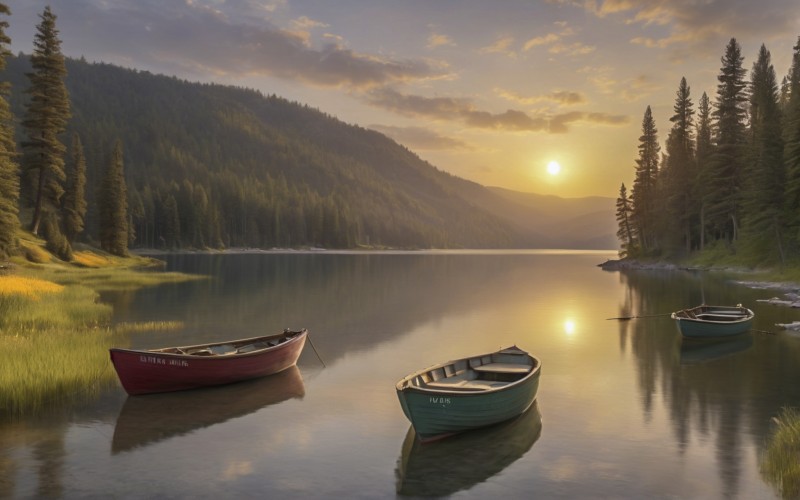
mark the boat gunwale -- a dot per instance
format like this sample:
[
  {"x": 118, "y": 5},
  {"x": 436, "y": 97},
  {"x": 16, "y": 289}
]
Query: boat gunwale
[
  {"x": 747, "y": 315},
  {"x": 302, "y": 333},
  {"x": 404, "y": 385}
]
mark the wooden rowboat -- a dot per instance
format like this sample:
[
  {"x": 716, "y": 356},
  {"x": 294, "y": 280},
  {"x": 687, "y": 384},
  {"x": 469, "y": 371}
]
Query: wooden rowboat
[
  {"x": 713, "y": 321},
  {"x": 189, "y": 367},
  {"x": 469, "y": 393}
]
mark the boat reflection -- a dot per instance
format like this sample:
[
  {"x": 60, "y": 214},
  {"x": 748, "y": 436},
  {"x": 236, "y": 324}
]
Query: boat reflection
[
  {"x": 459, "y": 462},
  {"x": 145, "y": 420},
  {"x": 699, "y": 351}
]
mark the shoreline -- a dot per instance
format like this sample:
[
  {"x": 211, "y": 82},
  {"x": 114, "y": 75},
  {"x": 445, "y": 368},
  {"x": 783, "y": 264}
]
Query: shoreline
[{"x": 376, "y": 251}]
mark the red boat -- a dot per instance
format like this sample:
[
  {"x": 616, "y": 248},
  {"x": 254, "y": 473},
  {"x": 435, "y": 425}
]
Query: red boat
[{"x": 179, "y": 368}]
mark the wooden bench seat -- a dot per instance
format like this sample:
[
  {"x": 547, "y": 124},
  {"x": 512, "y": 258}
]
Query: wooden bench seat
[
  {"x": 503, "y": 368},
  {"x": 465, "y": 385}
]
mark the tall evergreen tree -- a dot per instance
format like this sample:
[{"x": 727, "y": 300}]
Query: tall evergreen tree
[
  {"x": 47, "y": 115},
  {"x": 113, "y": 206},
  {"x": 703, "y": 154},
  {"x": 9, "y": 174},
  {"x": 722, "y": 196},
  {"x": 678, "y": 169},
  {"x": 644, "y": 184},
  {"x": 791, "y": 156},
  {"x": 762, "y": 197},
  {"x": 625, "y": 229},
  {"x": 74, "y": 202}
]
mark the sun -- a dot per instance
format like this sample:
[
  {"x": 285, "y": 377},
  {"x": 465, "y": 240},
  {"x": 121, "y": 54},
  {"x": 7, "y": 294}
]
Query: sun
[{"x": 553, "y": 168}]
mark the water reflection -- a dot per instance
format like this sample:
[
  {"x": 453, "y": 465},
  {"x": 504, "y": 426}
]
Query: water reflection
[
  {"x": 725, "y": 391},
  {"x": 699, "y": 351},
  {"x": 630, "y": 407},
  {"x": 148, "y": 419},
  {"x": 458, "y": 463}
]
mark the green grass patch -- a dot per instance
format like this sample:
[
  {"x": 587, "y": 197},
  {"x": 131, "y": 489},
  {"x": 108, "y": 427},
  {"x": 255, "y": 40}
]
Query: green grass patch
[
  {"x": 55, "y": 334},
  {"x": 148, "y": 326},
  {"x": 52, "y": 348},
  {"x": 780, "y": 464}
]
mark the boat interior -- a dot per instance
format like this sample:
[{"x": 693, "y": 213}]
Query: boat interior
[
  {"x": 480, "y": 373},
  {"x": 228, "y": 348},
  {"x": 714, "y": 314}
]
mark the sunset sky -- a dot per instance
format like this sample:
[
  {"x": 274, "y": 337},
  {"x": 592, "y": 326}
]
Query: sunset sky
[{"x": 492, "y": 91}]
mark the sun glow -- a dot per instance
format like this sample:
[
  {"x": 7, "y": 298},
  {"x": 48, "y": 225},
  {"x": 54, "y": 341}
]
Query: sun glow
[{"x": 553, "y": 168}]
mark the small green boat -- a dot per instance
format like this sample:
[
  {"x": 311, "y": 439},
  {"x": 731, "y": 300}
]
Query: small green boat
[
  {"x": 713, "y": 321},
  {"x": 469, "y": 393}
]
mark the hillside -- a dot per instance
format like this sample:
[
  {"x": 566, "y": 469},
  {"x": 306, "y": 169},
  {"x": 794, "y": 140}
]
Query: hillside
[{"x": 217, "y": 166}]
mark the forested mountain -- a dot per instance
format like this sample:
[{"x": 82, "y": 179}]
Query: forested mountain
[{"x": 217, "y": 166}]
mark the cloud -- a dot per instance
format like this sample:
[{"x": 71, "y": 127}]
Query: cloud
[
  {"x": 541, "y": 40},
  {"x": 629, "y": 89},
  {"x": 559, "y": 124},
  {"x": 502, "y": 45},
  {"x": 702, "y": 25},
  {"x": 438, "y": 40},
  {"x": 465, "y": 112},
  {"x": 554, "y": 41},
  {"x": 572, "y": 49},
  {"x": 235, "y": 37},
  {"x": 304, "y": 23},
  {"x": 421, "y": 138},
  {"x": 563, "y": 97}
]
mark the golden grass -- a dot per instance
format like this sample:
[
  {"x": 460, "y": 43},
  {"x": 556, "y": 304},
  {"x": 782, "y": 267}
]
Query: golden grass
[
  {"x": 780, "y": 464},
  {"x": 54, "y": 334},
  {"x": 31, "y": 288},
  {"x": 87, "y": 258}
]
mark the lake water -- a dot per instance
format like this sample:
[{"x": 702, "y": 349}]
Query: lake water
[{"x": 625, "y": 408}]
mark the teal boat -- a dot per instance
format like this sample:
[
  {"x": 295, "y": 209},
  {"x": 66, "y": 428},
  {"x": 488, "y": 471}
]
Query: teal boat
[
  {"x": 469, "y": 393},
  {"x": 709, "y": 322}
]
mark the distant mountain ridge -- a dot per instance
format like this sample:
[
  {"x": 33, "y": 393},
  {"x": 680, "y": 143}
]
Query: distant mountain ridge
[{"x": 220, "y": 166}]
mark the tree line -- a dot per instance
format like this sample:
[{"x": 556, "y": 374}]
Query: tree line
[
  {"x": 212, "y": 166},
  {"x": 729, "y": 178},
  {"x": 41, "y": 178}
]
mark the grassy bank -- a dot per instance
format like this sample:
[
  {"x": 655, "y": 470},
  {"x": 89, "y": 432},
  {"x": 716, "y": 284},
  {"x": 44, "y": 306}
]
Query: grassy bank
[
  {"x": 54, "y": 334},
  {"x": 780, "y": 464}
]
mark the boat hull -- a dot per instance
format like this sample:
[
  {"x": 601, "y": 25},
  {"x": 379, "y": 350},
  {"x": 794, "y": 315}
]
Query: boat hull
[
  {"x": 436, "y": 414},
  {"x": 739, "y": 320},
  {"x": 153, "y": 371}
]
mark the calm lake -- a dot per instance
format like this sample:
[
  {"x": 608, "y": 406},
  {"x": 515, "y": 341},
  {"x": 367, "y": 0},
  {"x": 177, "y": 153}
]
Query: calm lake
[{"x": 625, "y": 408}]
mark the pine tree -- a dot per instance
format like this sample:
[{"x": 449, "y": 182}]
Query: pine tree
[
  {"x": 113, "y": 206},
  {"x": 625, "y": 231},
  {"x": 73, "y": 209},
  {"x": 722, "y": 196},
  {"x": 47, "y": 115},
  {"x": 9, "y": 175},
  {"x": 678, "y": 169},
  {"x": 791, "y": 154},
  {"x": 644, "y": 184},
  {"x": 762, "y": 197},
  {"x": 705, "y": 149}
]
